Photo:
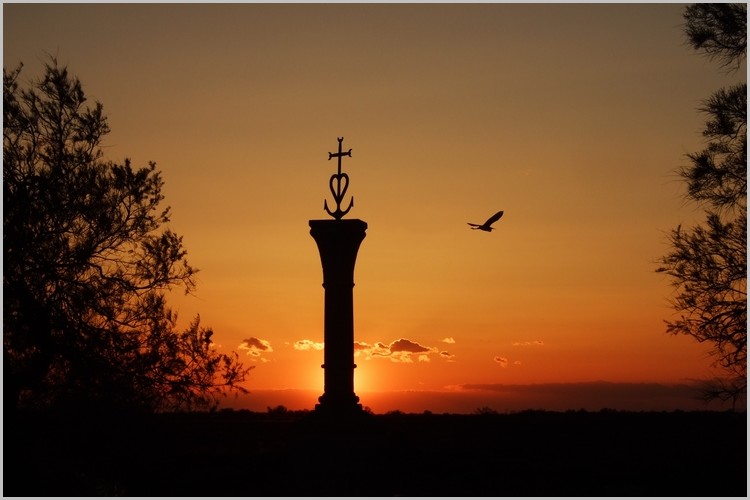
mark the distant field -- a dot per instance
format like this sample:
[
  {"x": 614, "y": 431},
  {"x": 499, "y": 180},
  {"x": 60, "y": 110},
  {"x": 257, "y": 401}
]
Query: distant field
[{"x": 241, "y": 453}]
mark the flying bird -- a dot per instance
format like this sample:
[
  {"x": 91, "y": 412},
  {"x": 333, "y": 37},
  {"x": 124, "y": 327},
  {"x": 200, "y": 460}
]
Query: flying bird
[{"x": 487, "y": 226}]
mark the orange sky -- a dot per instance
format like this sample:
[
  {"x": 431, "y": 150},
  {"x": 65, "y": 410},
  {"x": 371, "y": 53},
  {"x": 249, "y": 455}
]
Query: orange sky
[{"x": 570, "y": 118}]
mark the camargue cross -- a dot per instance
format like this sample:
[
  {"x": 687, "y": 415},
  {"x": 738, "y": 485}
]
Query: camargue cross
[{"x": 338, "y": 193}]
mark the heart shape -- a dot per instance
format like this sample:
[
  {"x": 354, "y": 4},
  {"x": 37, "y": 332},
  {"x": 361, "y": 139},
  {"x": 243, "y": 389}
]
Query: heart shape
[{"x": 339, "y": 193}]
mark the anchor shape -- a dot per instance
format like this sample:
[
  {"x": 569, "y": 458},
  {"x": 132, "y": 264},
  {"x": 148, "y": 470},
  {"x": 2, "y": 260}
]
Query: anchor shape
[
  {"x": 338, "y": 195},
  {"x": 339, "y": 192}
]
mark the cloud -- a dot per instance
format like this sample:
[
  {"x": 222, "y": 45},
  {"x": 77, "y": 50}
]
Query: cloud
[
  {"x": 529, "y": 343},
  {"x": 361, "y": 346},
  {"x": 255, "y": 347},
  {"x": 381, "y": 349},
  {"x": 402, "y": 349},
  {"x": 378, "y": 349},
  {"x": 309, "y": 345},
  {"x": 404, "y": 345},
  {"x": 399, "y": 351},
  {"x": 501, "y": 361},
  {"x": 448, "y": 340},
  {"x": 401, "y": 357}
]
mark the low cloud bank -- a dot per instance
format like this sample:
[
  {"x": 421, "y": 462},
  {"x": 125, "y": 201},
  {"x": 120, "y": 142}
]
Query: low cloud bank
[{"x": 468, "y": 398}]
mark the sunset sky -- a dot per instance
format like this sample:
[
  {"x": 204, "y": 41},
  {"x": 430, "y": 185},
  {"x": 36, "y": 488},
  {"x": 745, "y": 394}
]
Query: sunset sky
[{"x": 570, "y": 118}]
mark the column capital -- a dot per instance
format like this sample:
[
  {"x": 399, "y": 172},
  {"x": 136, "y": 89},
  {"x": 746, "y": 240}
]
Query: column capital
[
  {"x": 332, "y": 226},
  {"x": 338, "y": 243}
]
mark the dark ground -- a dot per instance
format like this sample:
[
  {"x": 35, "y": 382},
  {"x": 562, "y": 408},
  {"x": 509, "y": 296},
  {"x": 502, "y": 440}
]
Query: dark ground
[{"x": 531, "y": 453}]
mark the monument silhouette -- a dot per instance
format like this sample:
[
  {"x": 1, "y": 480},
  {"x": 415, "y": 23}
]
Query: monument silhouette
[{"x": 338, "y": 243}]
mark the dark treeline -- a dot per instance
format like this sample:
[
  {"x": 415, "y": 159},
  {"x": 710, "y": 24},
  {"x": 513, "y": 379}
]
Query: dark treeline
[{"x": 285, "y": 453}]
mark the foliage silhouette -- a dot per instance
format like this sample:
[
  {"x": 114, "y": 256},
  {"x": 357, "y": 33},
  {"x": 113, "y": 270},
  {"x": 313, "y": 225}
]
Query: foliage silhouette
[
  {"x": 87, "y": 264},
  {"x": 278, "y": 410},
  {"x": 718, "y": 29},
  {"x": 708, "y": 263},
  {"x": 485, "y": 410}
]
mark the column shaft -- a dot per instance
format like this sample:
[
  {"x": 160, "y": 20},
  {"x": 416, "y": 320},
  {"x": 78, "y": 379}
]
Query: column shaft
[{"x": 338, "y": 243}]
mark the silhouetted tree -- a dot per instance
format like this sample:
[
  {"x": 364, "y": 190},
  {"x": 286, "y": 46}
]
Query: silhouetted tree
[
  {"x": 87, "y": 263},
  {"x": 485, "y": 410},
  {"x": 708, "y": 263},
  {"x": 277, "y": 410},
  {"x": 718, "y": 29}
]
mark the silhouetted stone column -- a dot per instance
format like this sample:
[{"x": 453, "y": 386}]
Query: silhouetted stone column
[{"x": 338, "y": 242}]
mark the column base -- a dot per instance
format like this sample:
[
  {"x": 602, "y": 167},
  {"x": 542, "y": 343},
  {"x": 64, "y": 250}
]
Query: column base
[{"x": 340, "y": 405}]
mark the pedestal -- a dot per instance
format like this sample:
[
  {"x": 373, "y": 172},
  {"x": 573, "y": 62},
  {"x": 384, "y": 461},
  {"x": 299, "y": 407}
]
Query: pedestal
[{"x": 338, "y": 242}]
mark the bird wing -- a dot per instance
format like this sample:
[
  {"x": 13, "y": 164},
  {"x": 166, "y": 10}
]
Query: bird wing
[{"x": 494, "y": 218}]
